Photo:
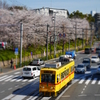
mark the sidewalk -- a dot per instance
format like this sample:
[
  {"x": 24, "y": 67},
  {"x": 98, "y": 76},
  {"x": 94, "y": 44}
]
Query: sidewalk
[{"x": 4, "y": 70}]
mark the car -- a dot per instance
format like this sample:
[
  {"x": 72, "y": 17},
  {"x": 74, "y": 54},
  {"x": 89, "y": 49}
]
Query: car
[
  {"x": 92, "y": 49},
  {"x": 87, "y": 51},
  {"x": 30, "y": 72},
  {"x": 99, "y": 55},
  {"x": 97, "y": 50},
  {"x": 94, "y": 59},
  {"x": 37, "y": 62},
  {"x": 65, "y": 58},
  {"x": 87, "y": 62},
  {"x": 98, "y": 70},
  {"x": 80, "y": 68}
]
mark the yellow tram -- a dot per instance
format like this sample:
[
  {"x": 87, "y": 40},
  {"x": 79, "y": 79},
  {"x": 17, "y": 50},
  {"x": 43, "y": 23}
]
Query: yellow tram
[{"x": 53, "y": 77}]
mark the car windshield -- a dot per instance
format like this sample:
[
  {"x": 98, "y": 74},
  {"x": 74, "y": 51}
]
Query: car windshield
[
  {"x": 85, "y": 61},
  {"x": 48, "y": 78},
  {"x": 35, "y": 60},
  {"x": 80, "y": 66},
  {"x": 26, "y": 69},
  {"x": 94, "y": 57}
]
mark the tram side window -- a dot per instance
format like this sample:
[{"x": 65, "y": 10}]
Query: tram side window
[
  {"x": 72, "y": 68},
  {"x": 58, "y": 78}
]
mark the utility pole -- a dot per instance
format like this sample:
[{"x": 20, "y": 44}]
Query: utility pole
[
  {"x": 47, "y": 42},
  {"x": 82, "y": 38},
  {"x": 63, "y": 39},
  {"x": 54, "y": 20},
  {"x": 69, "y": 41},
  {"x": 50, "y": 45},
  {"x": 91, "y": 36},
  {"x": 21, "y": 40}
]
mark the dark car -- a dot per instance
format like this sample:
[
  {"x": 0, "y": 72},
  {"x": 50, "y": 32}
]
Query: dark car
[
  {"x": 99, "y": 55},
  {"x": 97, "y": 50},
  {"x": 87, "y": 62},
  {"x": 87, "y": 51}
]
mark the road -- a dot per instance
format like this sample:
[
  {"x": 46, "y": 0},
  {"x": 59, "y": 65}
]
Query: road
[{"x": 14, "y": 87}]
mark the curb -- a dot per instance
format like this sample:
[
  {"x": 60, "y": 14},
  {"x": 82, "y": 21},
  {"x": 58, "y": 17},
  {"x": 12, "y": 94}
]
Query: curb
[{"x": 10, "y": 71}]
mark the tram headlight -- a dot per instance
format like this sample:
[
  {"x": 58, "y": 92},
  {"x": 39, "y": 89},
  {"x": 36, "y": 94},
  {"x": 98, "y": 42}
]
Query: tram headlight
[{"x": 52, "y": 88}]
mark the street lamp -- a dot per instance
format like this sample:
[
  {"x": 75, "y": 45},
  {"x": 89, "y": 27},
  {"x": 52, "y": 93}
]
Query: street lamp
[{"x": 53, "y": 20}]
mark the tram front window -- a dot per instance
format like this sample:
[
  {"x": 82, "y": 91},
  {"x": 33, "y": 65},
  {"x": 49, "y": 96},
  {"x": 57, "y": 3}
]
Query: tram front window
[{"x": 50, "y": 78}]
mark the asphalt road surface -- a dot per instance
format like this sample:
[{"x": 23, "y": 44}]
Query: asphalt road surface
[{"x": 84, "y": 86}]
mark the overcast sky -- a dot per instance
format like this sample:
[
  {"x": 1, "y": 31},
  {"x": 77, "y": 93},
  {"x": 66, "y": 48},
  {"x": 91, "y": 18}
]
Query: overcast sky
[{"x": 84, "y": 6}]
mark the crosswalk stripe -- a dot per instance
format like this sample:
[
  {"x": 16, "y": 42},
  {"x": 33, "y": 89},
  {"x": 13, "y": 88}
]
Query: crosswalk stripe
[
  {"x": 10, "y": 78},
  {"x": 87, "y": 81},
  {"x": 6, "y": 78},
  {"x": 15, "y": 79},
  {"x": 19, "y": 80},
  {"x": 94, "y": 81},
  {"x": 99, "y": 83},
  {"x": 31, "y": 80},
  {"x": 3, "y": 77},
  {"x": 81, "y": 81},
  {"x": 17, "y": 72},
  {"x": 25, "y": 80}
]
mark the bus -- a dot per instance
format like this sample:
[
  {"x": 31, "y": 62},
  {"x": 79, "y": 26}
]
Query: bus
[{"x": 54, "y": 76}]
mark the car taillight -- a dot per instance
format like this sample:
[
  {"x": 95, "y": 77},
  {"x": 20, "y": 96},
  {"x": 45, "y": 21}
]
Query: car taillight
[{"x": 31, "y": 73}]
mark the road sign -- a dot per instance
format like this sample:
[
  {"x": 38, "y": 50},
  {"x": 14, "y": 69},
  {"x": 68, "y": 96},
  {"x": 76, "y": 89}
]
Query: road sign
[
  {"x": 16, "y": 51},
  {"x": 64, "y": 35},
  {"x": 60, "y": 35}
]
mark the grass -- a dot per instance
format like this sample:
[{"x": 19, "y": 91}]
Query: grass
[{"x": 7, "y": 54}]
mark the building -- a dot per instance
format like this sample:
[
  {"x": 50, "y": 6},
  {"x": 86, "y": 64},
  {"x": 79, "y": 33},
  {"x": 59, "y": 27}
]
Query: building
[
  {"x": 97, "y": 17},
  {"x": 93, "y": 13},
  {"x": 50, "y": 12}
]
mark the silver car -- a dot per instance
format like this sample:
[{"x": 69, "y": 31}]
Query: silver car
[
  {"x": 37, "y": 62},
  {"x": 81, "y": 68}
]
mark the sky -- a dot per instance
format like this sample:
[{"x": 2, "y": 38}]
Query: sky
[{"x": 84, "y": 6}]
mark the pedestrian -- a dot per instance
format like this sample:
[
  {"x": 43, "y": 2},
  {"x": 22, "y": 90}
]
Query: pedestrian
[{"x": 11, "y": 63}]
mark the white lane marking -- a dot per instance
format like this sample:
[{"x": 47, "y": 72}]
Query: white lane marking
[
  {"x": 10, "y": 78},
  {"x": 3, "y": 76},
  {"x": 15, "y": 79},
  {"x": 16, "y": 85},
  {"x": 82, "y": 95},
  {"x": 9, "y": 88},
  {"x": 6, "y": 78},
  {"x": 88, "y": 80},
  {"x": 34, "y": 96},
  {"x": 99, "y": 83},
  {"x": 19, "y": 80},
  {"x": 96, "y": 94},
  {"x": 2, "y": 91},
  {"x": 45, "y": 98},
  {"x": 94, "y": 81},
  {"x": 17, "y": 72},
  {"x": 25, "y": 80},
  {"x": 8, "y": 97},
  {"x": 31, "y": 80},
  {"x": 66, "y": 96},
  {"x": 81, "y": 81}
]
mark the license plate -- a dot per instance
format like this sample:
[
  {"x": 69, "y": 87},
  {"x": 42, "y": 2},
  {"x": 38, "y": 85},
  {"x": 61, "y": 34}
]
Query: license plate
[{"x": 26, "y": 72}]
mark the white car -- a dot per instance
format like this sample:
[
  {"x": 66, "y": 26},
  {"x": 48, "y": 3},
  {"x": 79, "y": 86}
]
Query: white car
[
  {"x": 95, "y": 59},
  {"x": 30, "y": 72},
  {"x": 98, "y": 70}
]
